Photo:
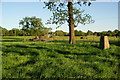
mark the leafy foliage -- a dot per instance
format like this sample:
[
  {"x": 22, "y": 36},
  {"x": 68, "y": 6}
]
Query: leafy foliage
[
  {"x": 31, "y": 25},
  {"x": 60, "y": 13},
  {"x": 59, "y": 33},
  {"x": 79, "y": 33},
  {"x": 89, "y": 32}
]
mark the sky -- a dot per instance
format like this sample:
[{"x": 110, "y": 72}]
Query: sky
[
  {"x": 119, "y": 15},
  {"x": 55, "y": 0},
  {"x": 105, "y": 15}
]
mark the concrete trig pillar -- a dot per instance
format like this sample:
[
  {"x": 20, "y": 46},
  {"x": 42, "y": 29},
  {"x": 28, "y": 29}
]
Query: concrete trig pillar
[{"x": 104, "y": 42}]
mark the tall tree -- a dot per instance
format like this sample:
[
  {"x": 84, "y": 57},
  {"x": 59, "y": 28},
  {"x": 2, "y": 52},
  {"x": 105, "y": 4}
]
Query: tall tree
[
  {"x": 31, "y": 25},
  {"x": 68, "y": 11}
]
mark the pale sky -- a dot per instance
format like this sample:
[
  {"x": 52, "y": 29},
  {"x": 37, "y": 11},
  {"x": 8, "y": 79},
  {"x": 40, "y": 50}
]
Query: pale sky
[
  {"x": 54, "y": 0},
  {"x": 105, "y": 15}
]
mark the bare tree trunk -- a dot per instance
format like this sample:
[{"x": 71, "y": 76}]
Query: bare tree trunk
[{"x": 71, "y": 23}]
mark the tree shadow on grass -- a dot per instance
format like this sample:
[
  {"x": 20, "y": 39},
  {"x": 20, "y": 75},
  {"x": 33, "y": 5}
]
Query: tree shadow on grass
[
  {"x": 117, "y": 43},
  {"x": 32, "y": 60},
  {"x": 63, "y": 51},
  {"x": 69, "y": 53},
  {"x": 29, "y": 62},
  {"x": 38, "y": 72},
  {"x": 56, "y": 50},
  {"x": 61, "y": 41},
  {"x": 17, "y": 48},
  {"x": 23, "y": 46},
  {"x": 96, "y": 46},
  {"x": 9, "y": 38},
  {"x": 12, "y": 40},
  {"x": 35, "y": 53},
  {"x": 31, "y": 53}
]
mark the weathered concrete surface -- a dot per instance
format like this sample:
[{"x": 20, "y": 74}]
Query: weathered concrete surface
[{"x": 104, "y": 42}]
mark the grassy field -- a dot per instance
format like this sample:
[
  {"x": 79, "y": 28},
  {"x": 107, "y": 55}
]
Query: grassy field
[{"x": 58, "y": 59}]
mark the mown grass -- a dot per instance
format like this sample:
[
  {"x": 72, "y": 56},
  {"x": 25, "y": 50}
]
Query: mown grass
[{"x": 58, "y": 59}]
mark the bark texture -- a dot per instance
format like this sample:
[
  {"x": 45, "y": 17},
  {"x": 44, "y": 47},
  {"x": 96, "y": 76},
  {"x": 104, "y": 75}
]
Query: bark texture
[{"x": 71, "y": 23}]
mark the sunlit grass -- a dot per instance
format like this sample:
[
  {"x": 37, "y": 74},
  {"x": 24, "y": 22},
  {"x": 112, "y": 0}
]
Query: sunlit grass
[{"x": 58, "y": 59}]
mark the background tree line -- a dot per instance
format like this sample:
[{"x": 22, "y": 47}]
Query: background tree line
[
  {"x": 32, "y": 26},
  {"x": 103, "y": 33},
  {"x": 20, "y": 32}
]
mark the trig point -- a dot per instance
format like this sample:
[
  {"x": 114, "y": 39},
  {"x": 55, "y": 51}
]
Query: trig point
[{"x": 104, "y": 42}]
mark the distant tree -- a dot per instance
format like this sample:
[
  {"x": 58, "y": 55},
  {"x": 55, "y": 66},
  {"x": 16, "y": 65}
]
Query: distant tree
[
  {"x": 31, "y": 25},
  {"x": 4, "y": 31},
  {"x": 12, "y": 32},
  {"x": 109, "y": 33},
  {"x": 66, "y": 33},
  {"x": 95, "y": 33},
  {"x": 104, "y": 33},
  {"x": 0, "y": 31},
  {"x": 119, "y": 34},
  {"x": 22, "y": 32},
  {"x": 15, "y": 32},
  {"x": 76, "y": 33},
  {"x": 47, "y": 31},
  {"x": 59, "y": 33},
  {"x": 89, "y": 32},
  {"x": 98, "y": 33},
  {"x": 81, "y": 33},
  {"x": 68, "y": 12},
  {"x": 116, "y": 32}
]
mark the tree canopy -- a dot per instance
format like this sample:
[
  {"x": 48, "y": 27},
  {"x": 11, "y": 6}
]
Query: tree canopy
[
  {"x": 60, "y": 13},
  {"x": 70, "y": 12},
  {"x": 32, "y": 25}
]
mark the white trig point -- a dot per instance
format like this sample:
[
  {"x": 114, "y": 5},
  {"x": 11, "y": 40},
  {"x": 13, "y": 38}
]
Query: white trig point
[{"x": 104, "y": 42}]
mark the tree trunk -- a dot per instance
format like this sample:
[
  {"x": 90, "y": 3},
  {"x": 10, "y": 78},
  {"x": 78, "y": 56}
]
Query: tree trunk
[{"x": 71, "y": 23}]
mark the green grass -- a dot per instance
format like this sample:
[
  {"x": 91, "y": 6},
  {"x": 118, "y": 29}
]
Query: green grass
[{"x": 58, "y": 59}]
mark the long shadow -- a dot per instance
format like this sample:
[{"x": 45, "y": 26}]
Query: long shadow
[
  {"x": 23, "y": 46},
  {"x": 18, "y": 47},
  {"x": 95, "y": 46},
  {"x": 62, "y": 41},
  {"x": 69, "y": 53},
  {"x": 31, "y": 61},
  {"x": 57, "y": 50},
  {"x": 64, "y": 52},
  {"x": 12, "y": 40},
  {"x": 78, "y": 41},
  {"x": 9, "y": 38},
  {"x": 117, "y": 43},
  {"x": 32, "y": 53}
]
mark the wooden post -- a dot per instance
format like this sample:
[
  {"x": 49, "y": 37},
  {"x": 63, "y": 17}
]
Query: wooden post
[{"x": 104, "y": 42}]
